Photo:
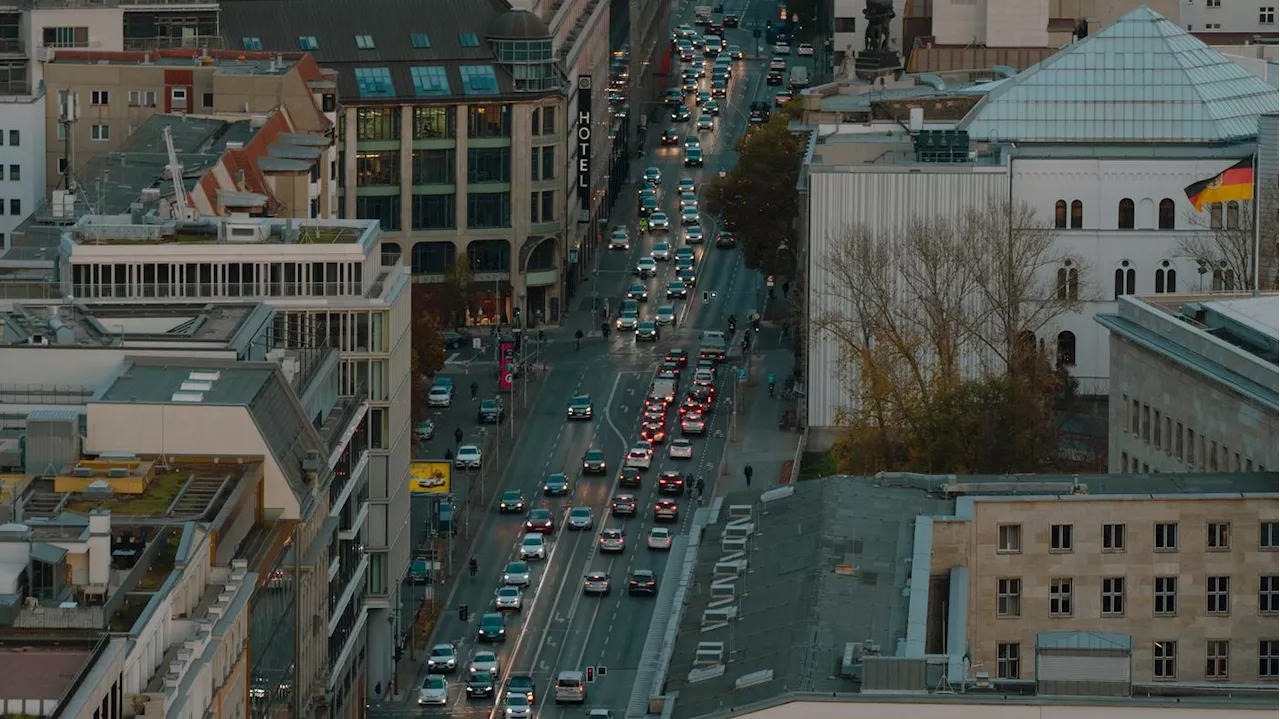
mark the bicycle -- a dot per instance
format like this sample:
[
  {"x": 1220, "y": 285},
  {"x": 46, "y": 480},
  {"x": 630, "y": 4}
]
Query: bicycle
[{"x": 792, "y": 394}]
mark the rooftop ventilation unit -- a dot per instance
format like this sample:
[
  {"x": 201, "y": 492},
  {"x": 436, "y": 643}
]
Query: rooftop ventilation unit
[
  {"x": 99, "y": 489},
  {"x": 754, "y": 678},
  {"x": 201, "y": 375},
  {"x": 193, "y": 386},
  {"x": 187, "y": 397},
  {"x": 82, "y": 472},
  {"x": 118, "y": 472}
]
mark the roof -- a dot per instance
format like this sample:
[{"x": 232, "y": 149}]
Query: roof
[
  {"x": 158, "y": 383},
  {"x": 824, "y": 569},
  {"x": 383, "y": 50},
  {"x": 228, "y": 61},
  {"x": 518, "y": 24},
  {"x": 34, "y": 672},
  {"x": 1019, "y": 487},
  {"x": 234, "y": 325},
  {"x": 1260, "y": 314},
  {"x": 1143, "y": 79}
]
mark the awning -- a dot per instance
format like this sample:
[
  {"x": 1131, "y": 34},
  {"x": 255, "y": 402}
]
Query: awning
[{"x": 47, "y": 553}]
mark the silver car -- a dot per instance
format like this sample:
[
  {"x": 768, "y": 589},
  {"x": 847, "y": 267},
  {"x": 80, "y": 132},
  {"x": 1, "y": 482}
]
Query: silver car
[
  {"x": 533, "y": 546},
  {"x": 596, "y": 582},
  {"x": 434, "y": 691},
  {"x": 508, "y": 598},
  {"x": 690, "y": 217},
  {"x": 646, "y": 267},
  {"x": 580, "y": 518},
  {"x": 660, "y": 251},
  {"x": 627, "y": 320},
  {"x": 613, "y": 540},
  {"x": 517, "y": 707},
  {"x": 658, "y": 222},
  {"x": 485, "y": 662},
  {"x": 443, "y": 658},
  {"x": 693, "y": 235},
  {"x": 516, "y": 574}
]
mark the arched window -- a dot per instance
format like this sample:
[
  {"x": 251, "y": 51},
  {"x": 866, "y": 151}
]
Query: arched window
[
  {"x": 543, "y": 256},
  {"x": 1060, "y": 214},
  {"x": 1126, "y": 279},
  {"x": 489, "y": 255},
  {"x": 1224, "y": 278},
  {"x": 1166, "y": 278},
  {"x": 433, "y": 258},
  {"x": 1166, "y": 214},
  {"x": 1068, "y": 281},
  {"x": 1066, "y": 349},
  {"x": 390, "y": 254},
  {"x": 1125, "y": 220},
  {"x": 1077, "y": 214}
]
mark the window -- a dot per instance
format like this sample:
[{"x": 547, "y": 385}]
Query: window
[
  {"x": 385, "y": 209},
  {"x": 206, "y": 99},
  {"x": 1126, "y": 279},
  {"x": 434, "y": 258},
  {"x": 478, "y": 80},
  {"x": 1125, "y": 214},
  {"x": 1077, "y": 214},
  {"x": 1268, "y": 658},
  {"x": 377, "y": 123},
  {"x": 1068, "y": 282},
  {"x": 1216, "y": 653},
  {"x": 846, "y": 24},
  {"x": 434, "y": 167},
  {"x": 374, "y": 82},
  {"x": 1165, "y": 660},
  {"x": 179, "y": 96},
  {"x": 1010, "y": 538},
  {"x": 468, "y": 39},
  {"x": 1113, "y": 537},
  {"x": 1166, "y": 278},
  {"x": 100, "y": 133},
  {"x": 1269, "y": 535},
  {"x": 251, "y": 43},
  {"x": 100, "y": 97},
  {"x": 489, "y": 164},
  {"x": 365, "y": 42},
  {"x": 308, "y": 42},
  {"x": 14, "y": 136},
  {"x": 488, "y": 209},
  {"x": 1060, "y": 214},
  {"x": 1146, "y": 423},
  {"x": 1191, "y": 447},
  {"x": 1060, "y": 537},
  {"x": 1112, "y": 596},
  {"x": 15, "y": 173},
  {"x": 1267, "y": 15},
  {"x": 1218, "y": 595},
  {"x": 1155, "y": 432},
  {"x": 542, "y": 206},
  {"x": 1224, "y": 279},
  {"x": 429, "y": 80},
  {"x": 65, "y": 36},
  {"x": 1137, "y": 417},
  {"x": 1166, "y": 595},
  {"x": 489, "y": 255},
  {"x": 549, "y": 120},
  {"x": 489, "y": 120},
  {"x": 1179, "y": 436},
  {"x": 1008, "y": 597},
  {"x": 1166, "y": 536},
  {"x": 1124, "y": 461},
  {"x": 1213, "y": 455},
  {"x": 420, "y": 40},
  {"x": 1007, "y": 661},
  {"x": 1067, "y": 348},
  {"x": 434, "y": 212},
  {"x": 1060, "y": 597},
  {"x": 379, "y": 168},
  {"x": 1269, "y": 593},
  {"x": 1213, "y": 3},
  {"x": 542, "y": 163},
  {"x": 1165, "y": 215},
  {"x": 1168, "y": 435},
  {"x": 1218, "y": 536},
  {"x": 437, "y": 122}
]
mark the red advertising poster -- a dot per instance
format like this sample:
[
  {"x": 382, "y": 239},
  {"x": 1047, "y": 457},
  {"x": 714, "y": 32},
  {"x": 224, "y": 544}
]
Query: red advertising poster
[{"x": 506, "y": 362}]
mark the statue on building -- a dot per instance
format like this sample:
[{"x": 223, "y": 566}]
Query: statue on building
[{"x": 878, "y": 14}]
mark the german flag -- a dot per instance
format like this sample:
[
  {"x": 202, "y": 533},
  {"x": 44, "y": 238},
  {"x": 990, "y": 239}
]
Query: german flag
[{"x": 1235, "y": 183}]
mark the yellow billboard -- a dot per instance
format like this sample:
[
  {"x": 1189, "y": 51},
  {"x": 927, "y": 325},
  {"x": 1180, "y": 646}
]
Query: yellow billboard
[{"x": 429, "y": 477}]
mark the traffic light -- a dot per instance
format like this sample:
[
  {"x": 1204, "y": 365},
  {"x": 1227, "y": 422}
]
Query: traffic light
[
  {"x": 464, "y": 612},
  {"x": 591, "y": 674},
  {"x": 516, "y": 314},
  {"x": 706, "y": 296}
]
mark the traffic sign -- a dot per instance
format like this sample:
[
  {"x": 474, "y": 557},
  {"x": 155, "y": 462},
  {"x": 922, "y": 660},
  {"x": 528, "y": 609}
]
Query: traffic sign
[
  {"x": 509, "y": 378},
  {"x": 742, "y": 374},
  {"x": 769, "y": 281}
]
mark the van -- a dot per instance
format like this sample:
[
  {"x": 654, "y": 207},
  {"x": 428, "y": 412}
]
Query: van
[
  {"x": 799, "y": 77},
  {"x": 571, "y": 687}
]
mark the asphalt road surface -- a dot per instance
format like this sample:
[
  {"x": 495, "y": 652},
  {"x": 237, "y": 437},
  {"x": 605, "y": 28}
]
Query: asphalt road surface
[{"x": 559, "y": 627}]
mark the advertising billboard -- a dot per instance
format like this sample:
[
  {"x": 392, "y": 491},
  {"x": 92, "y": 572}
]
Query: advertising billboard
[
  {"x": 584, "y": 147},
  {"x": 506, "y": 363},
  {"x": 429, "y": 477}
]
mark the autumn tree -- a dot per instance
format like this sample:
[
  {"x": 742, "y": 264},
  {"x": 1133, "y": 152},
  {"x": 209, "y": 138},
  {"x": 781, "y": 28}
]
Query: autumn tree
[
  {"x": 426, "y": 343},
  {"x": 758, "y": 198},
  {"x": 452, "y": 298},
  {"x": 1224, "y": 246}
]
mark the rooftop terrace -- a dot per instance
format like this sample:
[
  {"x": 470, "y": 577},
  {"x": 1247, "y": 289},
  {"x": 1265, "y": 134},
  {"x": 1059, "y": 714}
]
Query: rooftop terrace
[
  {"x": 113, "y": 325},
  {"x": 102, "y": 230},
  {"x": 231, "y": 61}
]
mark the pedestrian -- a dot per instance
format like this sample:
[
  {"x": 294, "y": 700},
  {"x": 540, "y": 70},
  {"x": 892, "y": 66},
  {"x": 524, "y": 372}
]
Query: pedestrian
[
  {"x": 457, "y": 436},
  {"x": 475, "y": 390},
  {"x": 786, "y": 287},
  {"x": 746, "y": 471},
  {"x": 701, "y": 489},
  {"x": 377, "y": 692},
  {"x": 448, "y": 454},
  {"x": 472, "y": 566}
]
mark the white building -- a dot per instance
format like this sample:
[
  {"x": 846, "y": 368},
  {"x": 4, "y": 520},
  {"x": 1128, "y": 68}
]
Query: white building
[{"x": 1100, "y": 140}]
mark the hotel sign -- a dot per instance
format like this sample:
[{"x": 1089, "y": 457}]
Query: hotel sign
[{"x": 583, "y": 131}]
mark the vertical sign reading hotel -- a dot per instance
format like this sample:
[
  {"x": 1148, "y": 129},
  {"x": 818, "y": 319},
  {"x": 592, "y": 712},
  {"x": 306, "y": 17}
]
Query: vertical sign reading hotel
[
  {"x": 584, "y": 148},
  {"x": 506, "y": 363}
]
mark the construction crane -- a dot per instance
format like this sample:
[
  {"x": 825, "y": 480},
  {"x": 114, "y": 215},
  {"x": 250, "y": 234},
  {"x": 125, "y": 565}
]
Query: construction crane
[{"x": 185, "y": 212}]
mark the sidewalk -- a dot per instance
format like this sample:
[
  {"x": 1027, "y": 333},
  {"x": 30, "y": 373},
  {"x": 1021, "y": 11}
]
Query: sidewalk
[{"x": 756, "y": 439}]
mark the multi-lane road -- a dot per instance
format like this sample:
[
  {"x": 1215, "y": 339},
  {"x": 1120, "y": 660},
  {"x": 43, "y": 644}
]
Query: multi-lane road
[{"x": 559, "y": 627}]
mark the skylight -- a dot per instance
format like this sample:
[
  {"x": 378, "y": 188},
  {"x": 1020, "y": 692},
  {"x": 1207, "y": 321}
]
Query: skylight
[
  {"x": 429, "y": 81},
  {"x": 374, "y": 82},
  {"x": 251, "y": 43},
  {"x": 421, "y": 40},
  {"x": 469, "y": 39},
  {"x": 308, "y": 42},
  {"x": 478, "y": 80},
  {"x": 364, "y": 42}
]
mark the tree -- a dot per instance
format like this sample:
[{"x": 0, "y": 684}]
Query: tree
[
  {"x": 426, "y": 343},
  {"x": 758, "y": 198},
  {"x": 453, "y": 296},
  {"x": 1224, "y": 247}
]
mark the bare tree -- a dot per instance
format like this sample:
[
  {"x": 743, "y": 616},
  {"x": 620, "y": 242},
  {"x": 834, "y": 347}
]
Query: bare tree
[{"x": 1224, "y": 246}]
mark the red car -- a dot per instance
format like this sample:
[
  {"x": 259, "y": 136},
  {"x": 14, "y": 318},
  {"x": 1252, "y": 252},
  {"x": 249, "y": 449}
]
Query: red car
[
  {"x": 654, "y": 432},
  {"x": 541, "y": 521},
  {"x": 671, "y": 483},
  {"x": 666, "y": 510},
  {"x": 624, "y": 504},
  {"x": 629, "y": 477}
]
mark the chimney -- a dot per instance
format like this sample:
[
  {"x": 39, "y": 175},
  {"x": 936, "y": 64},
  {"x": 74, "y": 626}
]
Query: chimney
[{"x": 146, "y": 58}]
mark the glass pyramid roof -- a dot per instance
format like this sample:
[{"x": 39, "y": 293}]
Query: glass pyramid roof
[{"x": 1143, "y": 79}]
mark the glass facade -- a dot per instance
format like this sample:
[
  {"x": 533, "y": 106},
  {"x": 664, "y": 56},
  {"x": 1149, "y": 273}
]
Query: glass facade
[{"x": 272, "y": 644}]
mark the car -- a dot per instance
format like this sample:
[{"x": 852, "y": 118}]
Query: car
[
  {"x": 782, "y": 97},
  {"x": 781, "y": 48},
  {"x": 517, "y": 706},
  {"x": 654, "y": 432},
  {"x": 773, "y": 77},
  {"x": 655, "y": 402},
  {"x": 521, "y": 684},
  {"x": 443, "y": 658},
  {"x": 512, "y": 502},
  {"x": 555, "y": 485},
  {"x": 485, "y": 662},
  {"x": 726, "y": 239},
  {"x": 629, "y": 477},
  {"x": 434, "y": 691},
  {"x": 467, "y": 457},
  {"x": 491, "y": 412},
  {"x": 731, "y": 20},
  {"x": 638, "y": 292},
  {"x": 778, "y": 63},
  {"x": 680, "y": 448},
  {"x": 640, "y": 457},
  {"x": 666, "y": 315},
  {"x": 580, "y": 518},
  {"x": 419, "y": 571},
  {"x": 684, "y": 263},
  {"x": 424, "y": 430},
  {"x": 703, "y": 96},
  {"x": 736, "y": 53},
  {"x": 642, "y": 581},
  {"x": 685, "y": 253},
  {"x": 595, "y": 582},
  {"x": 703, "y": 394},
  {"x": 613, "y": 539},
  {"x": 671, "y": 483},
  {"x": 691, "y": 404},
  {"x": 706, "y": 123},
  {"x": 712, "y": 108},
  {"x": 688, "y": 85},
  {"x": 693, "y": 423},
  {"x": 480, "y": 685},
  {"x": 533, "y": 547},
  {"x": 686, "y": 53},
  {"x": 677, "y": 290},
  {"x": 653, "y": 176},
  {"x": 666, "y": 510},
  {"x": 687, "y": 200},
  {"x": 516, "y": 574},
  {"x": 508, "y": 599},
  {"x": 580, "y": 407},
  {"x": 593, "y": 462},
  {"x": 670, "y": 137},
  {"x": 540, "y": 520},
  {"x": 696, "y": 40},
  {"x": 686, "y": 184},
  {"x": 692, "y": 142},
  {"x": 661, "y": 251},
  {"x": 648, "y": 206},
  {"x": 647, "y": 331},
  {"x": 619, "y": 240},
  {"x": 658, "y": 222},
  {"x": 804, "y": 49},
  {"x": 690, "y": 217},
  {"x": 440, "y": 396},
  {"x": 677, "y": 355},
  {"x": 693, "y": 234},
  {"x": 703, "y": 378},
  {"x": 665, "y": 373},
  {"x": 493, "y": 628},
  {"x": 681, "y": 114},
  {"x": 719, "y": 88},
  {"x": 627, "y": 320}
]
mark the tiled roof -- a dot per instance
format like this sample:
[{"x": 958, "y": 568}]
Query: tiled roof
[{"x": 1143, "y": 79}]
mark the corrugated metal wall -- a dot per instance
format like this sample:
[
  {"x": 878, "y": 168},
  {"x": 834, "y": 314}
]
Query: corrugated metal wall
[
  {"x": 884, "y": 202},
  {"x": 1268, "y": 148}
]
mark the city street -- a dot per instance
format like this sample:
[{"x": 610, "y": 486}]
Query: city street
[{"x": 559, "y": 627}]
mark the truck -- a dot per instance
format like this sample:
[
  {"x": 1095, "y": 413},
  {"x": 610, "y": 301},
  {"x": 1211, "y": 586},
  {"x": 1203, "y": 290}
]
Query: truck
[
  {"x": 799, "y": 77},
  {"x": 713, "y": 346},
  {"x": 665, "y": 388},
  {"x": 702, "y": 15}
]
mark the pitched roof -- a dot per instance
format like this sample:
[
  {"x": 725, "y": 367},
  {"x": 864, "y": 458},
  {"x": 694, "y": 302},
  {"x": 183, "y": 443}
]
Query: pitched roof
[{"x": 1143, "y": 79}]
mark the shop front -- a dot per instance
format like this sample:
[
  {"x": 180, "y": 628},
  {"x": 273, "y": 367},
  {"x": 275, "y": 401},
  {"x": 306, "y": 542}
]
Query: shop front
[
  {"x": 490, "y": 304},
  {"x": 541, "y": 301}
]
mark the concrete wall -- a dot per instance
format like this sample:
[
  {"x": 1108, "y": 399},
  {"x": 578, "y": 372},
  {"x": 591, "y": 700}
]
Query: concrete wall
[
  {"x": 105, "y": 27},
  {"x": 24, "y": 162}
]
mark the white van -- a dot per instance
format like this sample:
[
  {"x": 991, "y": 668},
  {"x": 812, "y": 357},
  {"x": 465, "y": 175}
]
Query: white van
[{"x": 571, "y": 687}]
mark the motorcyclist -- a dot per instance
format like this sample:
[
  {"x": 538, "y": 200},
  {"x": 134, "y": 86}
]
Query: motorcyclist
[
  {"x": 733, "y": 323},
  {"x": 772, "y": 384}
]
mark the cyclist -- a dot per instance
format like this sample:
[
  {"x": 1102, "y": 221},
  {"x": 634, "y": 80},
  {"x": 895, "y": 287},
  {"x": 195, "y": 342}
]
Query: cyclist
[
  {"x": 772, "y": 384},
  {"x": 644, "y": 225}
]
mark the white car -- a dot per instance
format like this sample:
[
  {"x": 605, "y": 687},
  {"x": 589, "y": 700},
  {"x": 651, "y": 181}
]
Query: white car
[
  {"x": 468, "y": 457},
  {"x": 640, "y": 457},
  {"x": 619, "y": 240},
  {"x": 517, "y": 707},
  {"x": 804, "y": 48},
  {"x": 485, "y": 662},
  {"x": 686, "y": 184},
  {"x": 660, "y": 251},
  {"x": 690, "y": 217},
  {"x": 434, "y": 691},
  {"x": 440, "y": 396},
  {"x": 443, "y": 658},
  {"x": 508, "y": 598},
  {"x": 653, "y": 175},
  {"x": 659, "y": 538},
  {"x": 533, "y": 546},
  {"x": 666, "y": 315},
  {"x": 613, "y": 540},
  {"x": 693, "y": 234},
  {"x": 627, "y": 320},
  {"x": 706, "y": 123},
  {"x": 516, "y": 574},
  {"x": 680, "y": 448},
  {"x": 781, "y": 48},
  {"x": 658, "y": 222},
  {"x": 646, "y": 267},
  {"x": 688, "y": 199}
]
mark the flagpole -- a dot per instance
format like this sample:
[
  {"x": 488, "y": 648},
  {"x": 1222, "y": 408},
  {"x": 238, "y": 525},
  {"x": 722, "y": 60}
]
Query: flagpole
[{"x": 1257, "y": 232}]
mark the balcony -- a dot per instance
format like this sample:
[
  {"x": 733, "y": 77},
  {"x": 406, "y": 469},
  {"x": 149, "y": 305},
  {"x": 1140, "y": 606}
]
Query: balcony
[
  {"x": 346, "y": 586},
  {"x": 13, "y": 46},
  {"x": 165, "y": 42}
]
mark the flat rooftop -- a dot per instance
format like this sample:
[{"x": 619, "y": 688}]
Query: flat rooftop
[
  {"x": 185, "y": 384},
  {"x": 123, "y": 230},
  {"x": 115, "y": 325},
  {"x": 183, "y": 489},
  {"x": 995, "y": 486},
  {"x": 38, "y": 672},
  {"x": 239, "y": 62}
]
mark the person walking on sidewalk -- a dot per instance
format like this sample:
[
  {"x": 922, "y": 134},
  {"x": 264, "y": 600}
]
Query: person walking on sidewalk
[
  {"x": 746, "y": 472},
  {"x": 472, "y": 566},
  {"x": 457, "y": 436},
  {"x": 475, "y": 390}
]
